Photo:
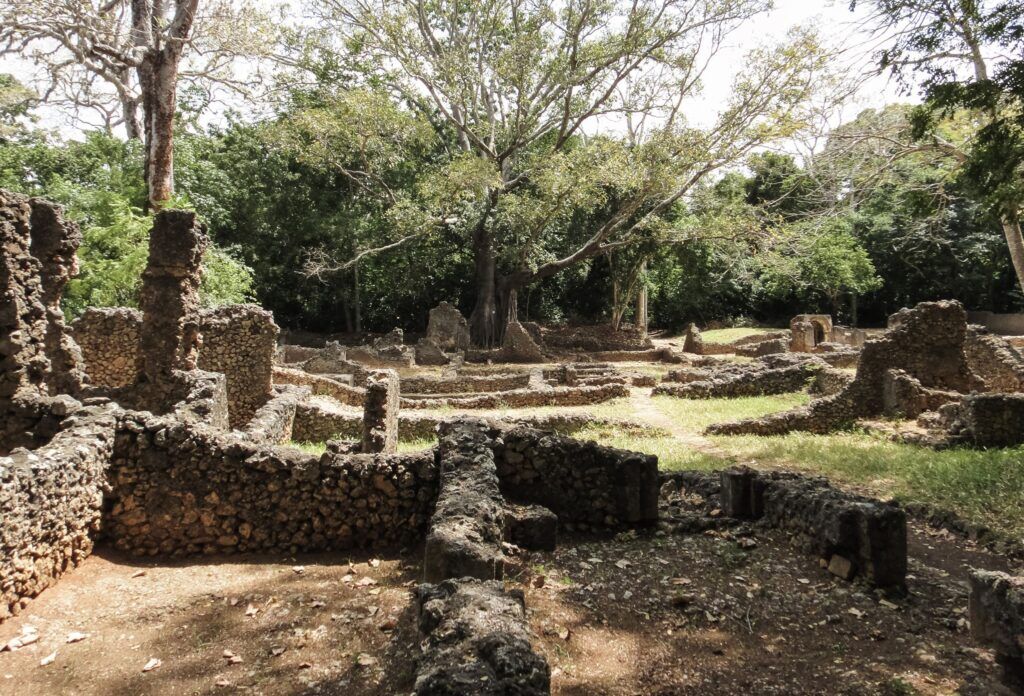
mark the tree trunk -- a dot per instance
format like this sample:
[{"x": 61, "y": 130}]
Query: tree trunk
[
  {"x": 130, "y": 114},
  {"x": 1015, "y": 242},
  {"x": 158, "y": 77},
  {"x": 356, "y": 299},
  {"x": 484, "y": 326}
]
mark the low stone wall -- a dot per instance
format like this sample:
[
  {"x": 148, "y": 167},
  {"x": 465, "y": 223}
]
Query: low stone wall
[
  {"x": 990, "y": 420},
  {"x": 467, "y": 528},
  {"x": 997, "y": 363},
  {"x": 380, "y": 413},
  {"x": 1005, "y": 324},
  {"x": 465, "y": 384},
  {"x": 765, "y": 347},
  {"x": 756, "y": 381},
  {"x": 319, "y": 384},
  {"x": 475, "y": 640},
  {"x": 904, "y": 396},
  {"x": 237, "y": 340},
  {"x": 525, "y": 398},
  {"x": 587, "y": 485},
  {"x": 996, "y": 611},
  {"x": 829, "y": 380},
  {"x": 852, "y": 534},
  {"x": 179, "y": 490},
  {"x": 50, "y": 504},
  {"x": 274, "y": 422}
]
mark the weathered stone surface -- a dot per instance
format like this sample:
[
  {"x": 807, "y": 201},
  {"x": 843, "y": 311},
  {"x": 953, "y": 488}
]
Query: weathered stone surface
[
  {"x": 522, "y": 398},
  {"x": 475, "y": 641},
  {"x": 989, "y": 420},
  {"x": 763, "y": 347},
  {"x": 518, "y": 346},
  {"x": 320, "y": 384},
  {"x": 429, "y": 353},
  {"x": 751, "y": 379},
  {"x": 380, "y": 413},
  {"x": 467, "y": 528},
  {"x": 826, "y": 521},
  {"x": 38, "y": 359},
  {"x": 996, "y": 611},
  {"x": 169, "y": 300},
  {"x": 584, "y": 484},
  {"x": 447, "y": 329},
  {"x": 50, "y": 503},
  {"x": 692, "y": 342},
  {"x": 808, "y": 330},
  {"x": 274, "y": 422},
  {"x": 532, "y": 527}
]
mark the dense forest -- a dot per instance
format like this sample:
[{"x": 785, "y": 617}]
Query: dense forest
[{"x": 357, "y": 203}]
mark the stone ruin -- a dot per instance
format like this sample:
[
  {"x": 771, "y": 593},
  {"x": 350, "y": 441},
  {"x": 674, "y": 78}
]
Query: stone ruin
[
  {"x": 134, "y": 464},
  {"x": 930, "y": 365}
]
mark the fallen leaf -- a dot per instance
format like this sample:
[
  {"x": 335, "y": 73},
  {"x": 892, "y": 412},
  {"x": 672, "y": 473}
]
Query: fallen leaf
[
  {"x": 364, "y": 660},
  {"x": 375, "y": 562},
  {"x": 251, "y": 611},
  {"x": 389, "y": 625},
  {"x": 564, "y": 633},
  {"x": 222, "y": 682},
  {"x": 316, "y": 604},
  {"x": 152, "y": 664},
  {"x": 539, "y": 581},
  {"x": 299, "y": 570},
  {"x": 305, "y": 665},
  {"x": 138, "y": 573},
  {"x": 48, "y": 659},
  {"x": 277, "y": 650},
  {"x": 76, "y": 636},
  {"x": 365, "y": 581}
]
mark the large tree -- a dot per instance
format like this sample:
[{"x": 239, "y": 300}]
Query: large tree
[
  {"x": 522, "y": 91},
  {"x": 968, "y": 54},
  {"x": 123, "y": 59}
]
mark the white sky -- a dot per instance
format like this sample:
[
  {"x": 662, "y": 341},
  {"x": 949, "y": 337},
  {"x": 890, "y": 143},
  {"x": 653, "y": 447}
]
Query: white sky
[{"x": 832, "y": 18}]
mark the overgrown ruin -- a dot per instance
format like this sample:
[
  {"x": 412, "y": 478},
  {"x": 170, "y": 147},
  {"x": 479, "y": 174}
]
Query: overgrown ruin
[{"x": 166, "y": 436}]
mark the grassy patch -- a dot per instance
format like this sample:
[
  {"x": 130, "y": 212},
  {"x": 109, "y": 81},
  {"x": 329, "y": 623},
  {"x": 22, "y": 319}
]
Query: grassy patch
[
  {"x": 672, "y": 453},
  {"x": 416, "y": 445},
  {"x": 696, "y": 414},
  {"x": 985, "y": 486},
  {"x": 730, "y": 335},
  {"x": 309, "y": 447}
]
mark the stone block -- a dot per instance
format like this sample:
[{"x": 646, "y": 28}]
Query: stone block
[{"x": 532, "y": 527}]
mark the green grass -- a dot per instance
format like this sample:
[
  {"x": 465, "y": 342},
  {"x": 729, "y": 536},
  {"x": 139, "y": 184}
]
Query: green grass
[
  {"x": 730, "y": 335},
  {"x": 309, "y": 447},
  {"x": 403, "y": 446},
  {"x": 694, "y": 415},
  {"x": 984, "y": 486},
  {"x": 672, "y": 453}
]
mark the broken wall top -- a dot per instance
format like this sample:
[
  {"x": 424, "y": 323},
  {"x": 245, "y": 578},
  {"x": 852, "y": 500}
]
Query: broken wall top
[{"x": 37, "y": 355}]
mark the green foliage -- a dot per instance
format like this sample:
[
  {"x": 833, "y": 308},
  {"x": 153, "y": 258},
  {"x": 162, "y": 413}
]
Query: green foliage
[{"x": 113, "y": 256}]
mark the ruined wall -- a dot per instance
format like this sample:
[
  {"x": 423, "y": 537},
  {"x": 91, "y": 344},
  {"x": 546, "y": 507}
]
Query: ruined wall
[
  {"x": 524, "y": 398},
  {"x": 585, "y": 484},
  {"x": 465, "y": 384},
  {"x": 380, "y": 413},
  {"x": 993, "y": 360},
  {"x": 50, "y": 505},
  {"x": 38, "y": 359},
  {"x": 755, "y": 379},
  {"x": 240, "y": 340},
  {"x": 319, "y": 384},
  {"x": 186, "y": 490},
  {"x": 274, "y": 422},
  {"x": 927, "y": 343},
  {"x": 237, "y": 340},
  {"x": 990, "y": 420}
]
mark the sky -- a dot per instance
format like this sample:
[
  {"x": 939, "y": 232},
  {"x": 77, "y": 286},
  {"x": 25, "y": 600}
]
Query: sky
[{"x": 832, "y": 18}]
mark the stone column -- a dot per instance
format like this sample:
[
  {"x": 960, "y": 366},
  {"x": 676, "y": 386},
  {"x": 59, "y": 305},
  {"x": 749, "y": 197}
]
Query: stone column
[
  {"x": 380, "y": 412},
  {"x": 169, "y": 298}
]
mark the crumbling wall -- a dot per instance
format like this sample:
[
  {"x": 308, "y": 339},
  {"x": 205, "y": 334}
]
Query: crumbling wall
[
  {"x": 927, "y": 343},
  {"x": 50, "y": 504},
  {"x": 39, "y": 362},
  {"x": 240, "y": 341},
  {"x": 319, "y": 384},
  {"x": 447, "y": 329},
  {"x": 181, "y": 490},
  {"x": 585, "y": 484},
  {"x": 755, "y": 379},
  {"x": 996, "y": 611},
  {"x": 109, "y": 339},
  {"x": 274, "y": 422},
  {"x": 853, "y": 535},
  {"x": 518, "y": 345},
  {"x": 989, "y": 420},
  {"x": 523, "y": 398},
  {"x": 994, "y": 361}
]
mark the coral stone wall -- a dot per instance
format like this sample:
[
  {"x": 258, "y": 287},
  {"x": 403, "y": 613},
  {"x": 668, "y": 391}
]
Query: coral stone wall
[
  {"x": 994, "y": 361},
  {"x": 237, "y": 340},
  {"x": 50, "y": 505},
  {"x": 240, "y": 341},
  {"x": 585, "y": 484},
  {"x": 182, "y": 490}
]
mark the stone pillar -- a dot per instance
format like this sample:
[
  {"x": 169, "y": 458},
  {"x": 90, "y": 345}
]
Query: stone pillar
[
  {"x": 380, "y": 412},
  {"x": 169, "y": 298},
  {"x": 693, "y": 343}
]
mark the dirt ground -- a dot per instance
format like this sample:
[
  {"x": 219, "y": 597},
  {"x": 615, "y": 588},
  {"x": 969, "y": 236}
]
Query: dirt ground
[{"x": 650, "y": 613}]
